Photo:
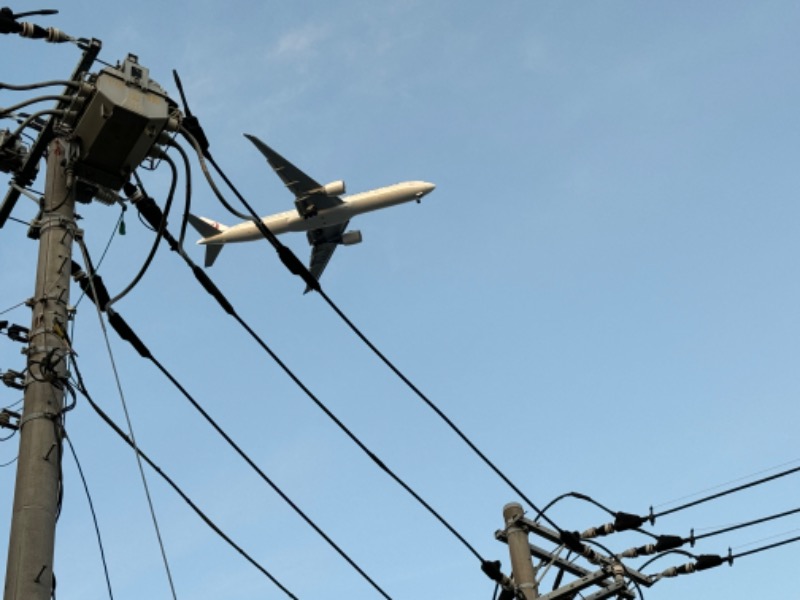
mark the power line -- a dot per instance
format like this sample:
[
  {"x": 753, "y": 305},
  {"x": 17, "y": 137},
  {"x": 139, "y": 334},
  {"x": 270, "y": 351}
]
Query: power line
[
  {"x": 767, "y": 547},
  {"x": 94, "y": 515},
  {"x": 721, "y": 485},
  {"x": 297, "y": 268},
  {"x": 774, "y": 517},
  {"x": 132, "y": 437},
  {"x": 151, "y": 213},
  {"x": 95, "y": 286},
  {"x": 82, "y": 389},
  {"x": 739, "y": 488}
]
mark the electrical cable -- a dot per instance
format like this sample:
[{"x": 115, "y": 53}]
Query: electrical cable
[
  {"x": 739, "y": 488},
  {"x": 9, "y": 463},
  {"x": 297, "y": 268},
  {"x": 26, "y": 122},
  {"x": 5, "y": 111},
  {"x": 228, "y": 307},
  {"x": 40, "y": 84},
  {"x": 132, "y": 436},
  {"x": 727, "y": 483},
  {"x": 188, "y": 203},
  {"x": 159, "y": 233},
  {"x": 82, "y": 388},
  {"x": 23, "y": 303},
  {"x": 774, "y": 517},
  {"x": 767, "y": 547},
  {"x": 150, "y": 211},
  {"x": 20, "y": 221},
  {"x": 94, "y": 514},
  {"x": 291, "y": 261},
  {"x": 122, "y": 327},
  {"x": 96, "y": 267}
]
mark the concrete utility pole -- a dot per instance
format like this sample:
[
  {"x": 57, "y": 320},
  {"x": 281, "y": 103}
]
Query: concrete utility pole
[
  {"x": 29, "y": 572},
  {"x": 521, "y": 562}
]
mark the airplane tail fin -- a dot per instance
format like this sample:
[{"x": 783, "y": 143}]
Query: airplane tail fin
[{"x": 208, "y": 228}]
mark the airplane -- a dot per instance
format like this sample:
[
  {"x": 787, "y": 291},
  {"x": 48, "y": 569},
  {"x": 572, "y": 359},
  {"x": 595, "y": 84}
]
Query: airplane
[{"x": 320, "y": 210}]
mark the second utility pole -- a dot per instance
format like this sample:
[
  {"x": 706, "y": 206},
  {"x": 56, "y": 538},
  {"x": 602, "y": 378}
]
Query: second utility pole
[
  {"x": 29, "y": 571},
  {"x": 524, "y": 575}
]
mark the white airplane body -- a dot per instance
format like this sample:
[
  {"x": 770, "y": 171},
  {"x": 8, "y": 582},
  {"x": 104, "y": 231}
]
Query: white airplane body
[{"x": 320, "y": 211}]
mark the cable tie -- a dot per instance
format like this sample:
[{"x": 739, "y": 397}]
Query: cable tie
[{"x": 37, "y": 415}]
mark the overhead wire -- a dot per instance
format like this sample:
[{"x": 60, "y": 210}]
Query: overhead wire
[
  {"x": 159, "y": 235},
  {"x": 228, "y": 307},
  {"x": 297, "y": 268},
  {"x": 97, "y": 290},
  {"x": 767, "y": 547},
  {"x": 94, "y": 515},
  {"x": 133, "y": 440},
  {"x": 752, "y": 523},
  {"x": 40, "y": 84},
  {"x": 727, "y": 483},
  {"x": 7, "y": 110},
  {"x": 205, "y": 518},
  {"x": 733, "y": 490}
]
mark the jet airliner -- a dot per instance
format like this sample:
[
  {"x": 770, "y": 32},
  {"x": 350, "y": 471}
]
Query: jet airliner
[{"x": 320, "y": 210}]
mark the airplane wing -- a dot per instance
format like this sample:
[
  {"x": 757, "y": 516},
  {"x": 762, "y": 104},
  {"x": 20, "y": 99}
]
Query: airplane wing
[
  {"x": 300, "y": 184},
  {"x": 323, "y": 243}
]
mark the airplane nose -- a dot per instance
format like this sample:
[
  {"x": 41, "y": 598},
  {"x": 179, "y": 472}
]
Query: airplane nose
[{"x": 426, "y": 188}]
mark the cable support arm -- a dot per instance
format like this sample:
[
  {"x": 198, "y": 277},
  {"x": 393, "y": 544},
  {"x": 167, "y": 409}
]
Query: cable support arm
[{"x": 572, "y": 541}]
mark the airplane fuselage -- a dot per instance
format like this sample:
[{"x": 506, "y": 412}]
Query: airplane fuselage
[{"x": 351, "y": 206}]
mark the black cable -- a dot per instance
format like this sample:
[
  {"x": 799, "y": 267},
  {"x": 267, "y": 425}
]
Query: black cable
[
  {"x": 768, "y": 547},
  {"x": 188, "y": 203},
  {"x": 694, "y": 538},
  {"x": 292, "y": 263},
  {"x": 150, "y": 210},
  {"x": 435, "y": 408},
  {"x": 739, "y": 488},
  {"x": 126, "y": 333},
  {"x": 159, "y": 233},
  {"x": 37, "y": 85},
  {"x": 94, "y": 515},
  {"x": 82, "y": 389}
]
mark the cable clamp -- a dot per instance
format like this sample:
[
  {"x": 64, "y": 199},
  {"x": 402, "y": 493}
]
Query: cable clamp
[{"x": 37, "y": 415}]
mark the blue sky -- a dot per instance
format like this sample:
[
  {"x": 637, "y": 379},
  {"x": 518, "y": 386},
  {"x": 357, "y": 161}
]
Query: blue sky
[{"x": 602, "y": 291}]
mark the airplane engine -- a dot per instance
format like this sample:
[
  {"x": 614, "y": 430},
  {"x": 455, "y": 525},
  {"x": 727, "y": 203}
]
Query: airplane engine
[
  {"x": 334, "y": 188},
  {"x": 350, "y": 238}
]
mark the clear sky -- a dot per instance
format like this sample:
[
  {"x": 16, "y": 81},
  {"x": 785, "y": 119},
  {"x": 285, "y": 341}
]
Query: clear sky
[{"x": 602, "y": 292}]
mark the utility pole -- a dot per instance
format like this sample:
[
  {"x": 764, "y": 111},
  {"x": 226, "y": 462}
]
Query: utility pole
[
  {"x": 524, "y": 575},
  {"x": 29, "y": 572}
]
